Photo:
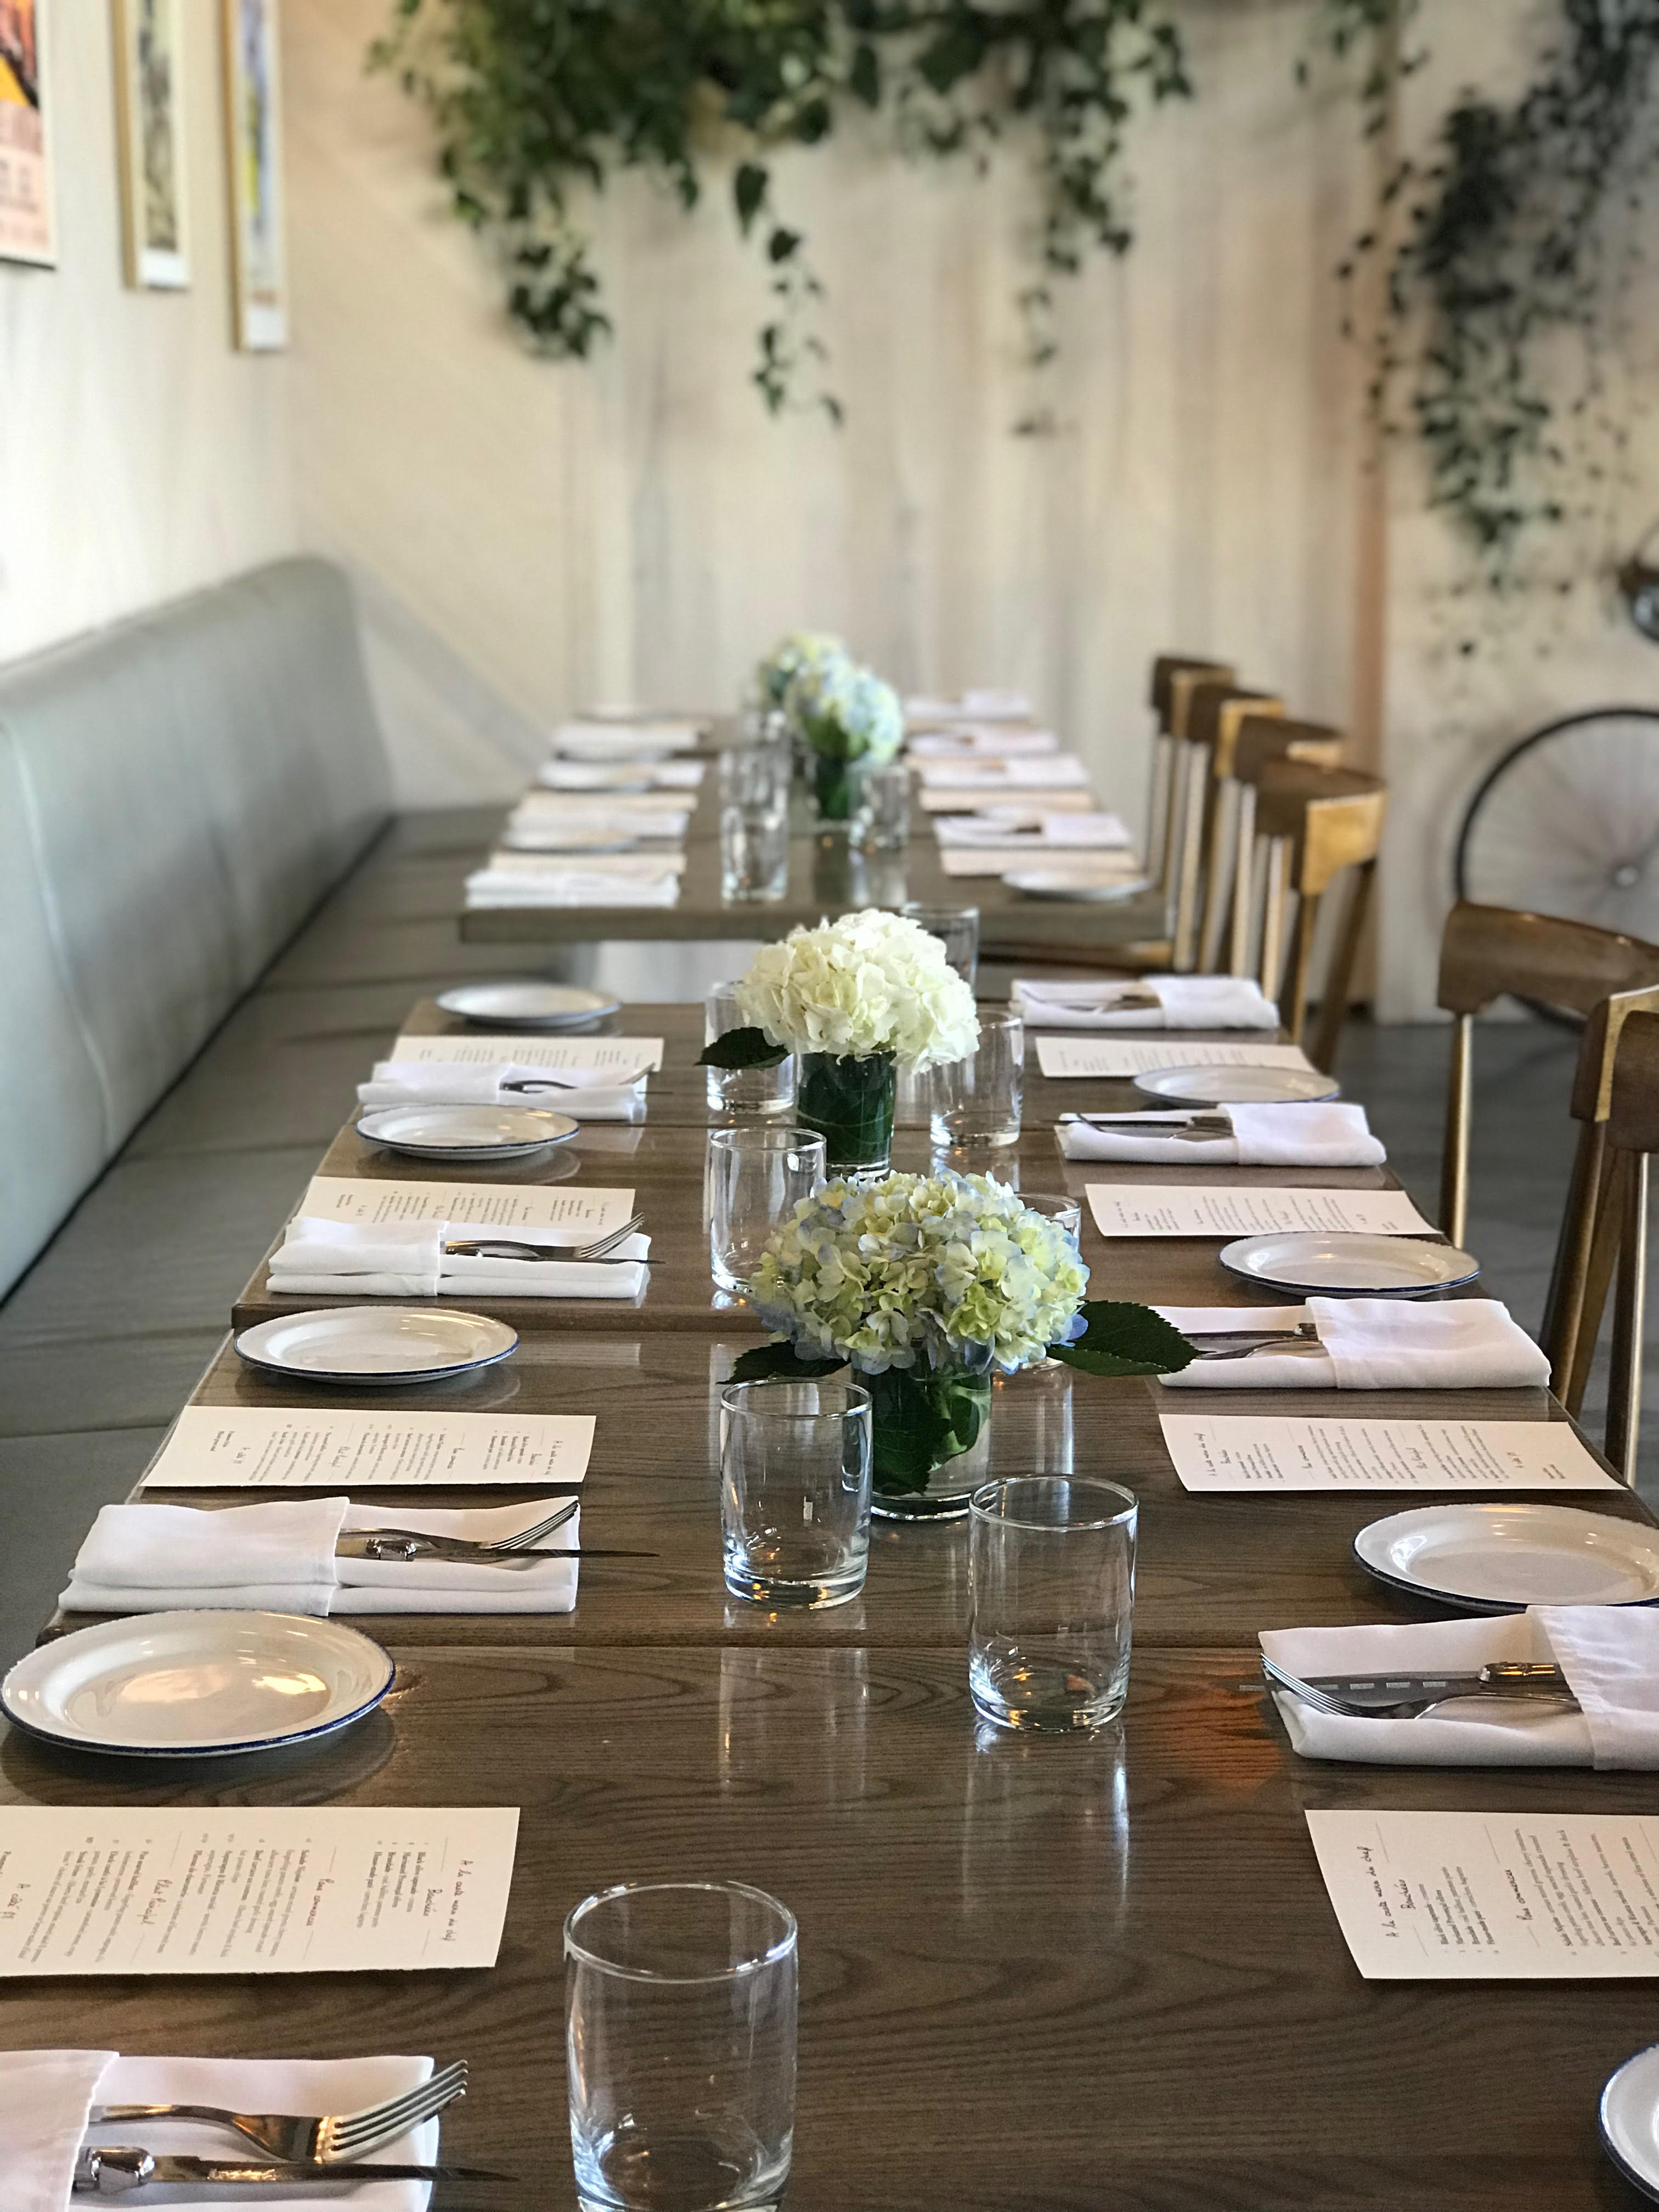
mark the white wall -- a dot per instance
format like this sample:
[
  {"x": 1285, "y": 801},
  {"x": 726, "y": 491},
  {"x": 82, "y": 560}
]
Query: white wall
[{"x": 140, "y": 456}]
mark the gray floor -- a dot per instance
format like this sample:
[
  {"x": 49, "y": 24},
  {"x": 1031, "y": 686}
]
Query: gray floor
[{"x": 87, "y": 1381}]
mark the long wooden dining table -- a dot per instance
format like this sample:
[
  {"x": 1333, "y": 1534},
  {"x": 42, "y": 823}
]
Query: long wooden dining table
[{"x": 1037, "y": 1975}]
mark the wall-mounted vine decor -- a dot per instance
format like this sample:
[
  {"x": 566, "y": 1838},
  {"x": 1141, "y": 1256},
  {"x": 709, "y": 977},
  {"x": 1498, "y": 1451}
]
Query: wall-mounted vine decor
[
  {"x": 1508, "y": 248},
  {"x": 537, "y": 101}
]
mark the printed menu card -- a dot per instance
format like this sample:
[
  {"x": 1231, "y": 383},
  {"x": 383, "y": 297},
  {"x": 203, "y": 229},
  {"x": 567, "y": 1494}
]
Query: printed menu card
[
  {"x": 264, "y": 1889},
  {"x": 1182, "y": 1209},
  {"x": 563, "y": 1213},
  {"x": 1126, "y": 1055},
  {"x": 294, "y": 1448},
  {"x": 610, "y": 1055},
  {"x": 1245, "y": 1452},
  {"x": 1452, "y": 1897}
]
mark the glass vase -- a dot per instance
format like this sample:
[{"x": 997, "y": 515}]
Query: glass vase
[
  {"x": 850, "y": 1103},
  {"x": 932, "y": 1439},
  {"x": 837, "y": 794}
]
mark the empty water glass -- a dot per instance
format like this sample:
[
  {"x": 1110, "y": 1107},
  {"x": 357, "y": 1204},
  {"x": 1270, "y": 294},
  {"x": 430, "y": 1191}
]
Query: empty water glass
[
  {"x": 957, "y": 927},
  {"x": 742, "y": 1090},
  {"x": 757, "y": 1175},
  {"x": 680, "y": 2003},
  {"x": 795, "y": 1465},
  {"x": 754, "y": 778},
  {"x": 754, "y": 853},
  {"x": 979, "y": 1100},
  {"x": 886, "y": 826},
  {"x": 1051, "y": 1568}
]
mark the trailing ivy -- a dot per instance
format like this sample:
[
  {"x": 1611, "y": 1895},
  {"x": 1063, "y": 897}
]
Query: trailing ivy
[
  {"x": 536, "y": 102},
  {"x": 1503, "y": 240}
]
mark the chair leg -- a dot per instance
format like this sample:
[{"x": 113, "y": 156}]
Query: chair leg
[
  {"x": 1604, "y": 1255},
  {"x": 1564, "y": 1306},
  {"x": 1339, "y": 976},
  {"x": 1219, "y": 871},
  {"x": 1272, "y": 917},
  {"x": 1243, "y": 882},
  {"x": 1454, "y": 1145},
  {"x": 1192, "y": 853},
  {"x": 1293, "y": 1006},
  {"x": 1625, "y": 1384}
]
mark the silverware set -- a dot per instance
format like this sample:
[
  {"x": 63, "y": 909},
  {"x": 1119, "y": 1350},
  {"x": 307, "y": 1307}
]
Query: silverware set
[
  {"x": 1245, "y": 1343},
  {"x": 1185, "y": 1128},
  {"x": 1398, "y": 1697},
  {"x": 510, "y": 1248},
  {"x": 399, "y": 1545},
  {"x": 296, "y": 2148}
]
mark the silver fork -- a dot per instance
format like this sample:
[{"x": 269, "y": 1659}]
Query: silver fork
[
  {"x": 1305, "y": 1332},
  {"x": 526, "y": 1540},
  {"x": 1154, "y": 1124},
  {"x": 507, "y": 1248},
  {"x": 1322, "y": 1701},
  {"x": 337, "y": 2139}
]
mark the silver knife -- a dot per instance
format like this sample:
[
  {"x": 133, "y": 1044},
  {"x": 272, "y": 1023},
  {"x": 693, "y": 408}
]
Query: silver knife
[
  {"x": 1513, "y": 1678},
  {"x": 399, "y": 1551},
  {"x": 115, "y": 2169}
]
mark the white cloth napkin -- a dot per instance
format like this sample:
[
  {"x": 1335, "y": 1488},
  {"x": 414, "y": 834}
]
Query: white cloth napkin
[
  {"x": 988, "y": 703},
  {"x": 988, "y": 740},
  {"x": 1370, "y": 1343},
  {"x": 1608, "y": 1653},
  {"x": 1091, "y": 831},
  {"x": 46, "y": 2095},
  {"x": 1028, "y": 772},
  {"x": 571, "y": 887},
  {"x": 278, "y": 1557},
  {"x": 1326, "y": 1133},
  {"x": 586, "y": 1094},
  {"x": 595, "y": 775},
  {"x": 1184, "y": 1002},
  {"x": 406, "y": 1260}
]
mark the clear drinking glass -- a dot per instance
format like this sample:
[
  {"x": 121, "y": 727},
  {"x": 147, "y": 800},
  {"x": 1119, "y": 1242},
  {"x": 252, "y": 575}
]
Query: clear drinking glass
[
  {"x": 795, "y": 1464},
  {"x": 754, "y": 853},
  {"x": 886, "y": 826},
  {"x": 754, "y": 778},
  {"x": 1051, "y": 1568},
  {"x": 743, "y": 1090},
  {"x": 957, "y": 928},
  {"x": 756, "y": 1174},
  {"x": 978, "y": 1100},
  {"x": 679, "y": 2011}
]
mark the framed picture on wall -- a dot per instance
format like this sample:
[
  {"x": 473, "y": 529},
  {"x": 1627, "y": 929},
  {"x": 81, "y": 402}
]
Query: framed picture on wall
[
  {"x": 28, "y": 223},
  {"x": 148, "y": 93},
  {"x": 253, "y": 111}
]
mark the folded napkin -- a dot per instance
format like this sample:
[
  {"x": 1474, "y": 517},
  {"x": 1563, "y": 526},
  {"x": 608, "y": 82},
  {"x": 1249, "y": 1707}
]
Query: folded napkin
[
  {"x": 278, "y": 1557},
  {"x": 572, "y": 887},
  {"x": 1023, "y": 828},
  {"x": 406, "y": 1260},
  {"x": 1184, "y": 1002},
  {"x": 1037, "y": 772},
  {"x": 595, "y": 775},
  {"x": 46, "y": 2095},
  {"x": 990, "y": 703},
  {"x": 660, "y": 833},
  {"x": 1371, "y": 1344},
  {"x": 1608, "y": 1653},
  {"x": 1326, "y": 1133},
  {"x": 993, "y": 740},
  {"x": 586, "y": 1094}
]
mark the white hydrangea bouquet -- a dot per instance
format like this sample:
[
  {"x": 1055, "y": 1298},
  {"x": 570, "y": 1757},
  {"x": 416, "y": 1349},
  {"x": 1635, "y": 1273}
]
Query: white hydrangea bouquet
[
  {"x": 801, "y": 651},
  {"x": 857, "y": 998},
  {"x": 929, "y": 1285}
]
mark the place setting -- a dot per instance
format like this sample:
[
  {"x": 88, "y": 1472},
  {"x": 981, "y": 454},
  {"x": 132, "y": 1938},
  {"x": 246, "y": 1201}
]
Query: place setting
[{"x": 527, "y": 1002}]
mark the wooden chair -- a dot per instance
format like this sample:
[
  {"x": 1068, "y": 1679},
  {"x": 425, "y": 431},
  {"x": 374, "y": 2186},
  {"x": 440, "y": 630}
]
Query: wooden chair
[
  {"x": 1317, "y": 822},
  {"x": 1258, "y": 739},
  {"x": 1209, "y": 816},
  {"x": 1174, "y": 676},
  {"x": 1632, "y": 1134}
]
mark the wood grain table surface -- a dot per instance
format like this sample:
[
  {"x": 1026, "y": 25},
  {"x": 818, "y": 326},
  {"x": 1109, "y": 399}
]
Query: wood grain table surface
[
  {"x": 826, "y": 879},
  {"x": 1036, "y": 1976}
]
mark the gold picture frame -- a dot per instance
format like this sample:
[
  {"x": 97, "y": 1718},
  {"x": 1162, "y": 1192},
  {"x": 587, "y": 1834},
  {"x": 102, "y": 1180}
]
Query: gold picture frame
[
  {"x": 28, "y": 219},
  {"x": 149, "y": 108},
  {"x": 253, "y": 118}
]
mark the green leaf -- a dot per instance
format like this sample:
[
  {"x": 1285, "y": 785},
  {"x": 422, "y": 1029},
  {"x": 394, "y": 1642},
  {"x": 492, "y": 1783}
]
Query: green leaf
[
  {"x": 749, "y": 189},
  {"x": 781, "y": 243},
  {"x": 763, "y": 1363},
  {"x": 1122, "y": 1339},
  {"x": 864, "y": 78},
  {"x": 743, "y": 1049},
  {"x": 909, "y": 1431}
]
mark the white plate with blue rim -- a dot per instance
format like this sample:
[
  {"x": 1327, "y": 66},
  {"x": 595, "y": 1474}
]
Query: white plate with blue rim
[
  {"x": 1629, "y": 2120},
  {"x": 376, "y": 1346},
  {"x": 196, "y": 1685},
  {"x": 1347, "y": 1264},
  {"x": 1501, "y": 1557},
  {"x": 1056, "y": 884},
  {"x": 466, "y": 1132},
  {"x": 1246, "y": 1086},
  {"x": 527, "y": 1003}
]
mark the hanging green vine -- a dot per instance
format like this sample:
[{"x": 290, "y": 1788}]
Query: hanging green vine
[
  {"x": 538, "y": 102},
  {"x": 1507, "y": 251}
]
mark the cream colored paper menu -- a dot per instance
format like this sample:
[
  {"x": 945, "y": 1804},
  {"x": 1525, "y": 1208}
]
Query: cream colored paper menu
[
  {"x": 1247, "y": 1452},
  {"x": 323, "y": 1448},
  {"x": 622, "y": 1056},
  {"x": 1181, "y": 1209},
  {"x": 266, "y": 1889},
  {"x": 1062, "y": 1055},
  {"x": 563, "y": 1213},
  {"x": 1476, "y": 1897}
]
